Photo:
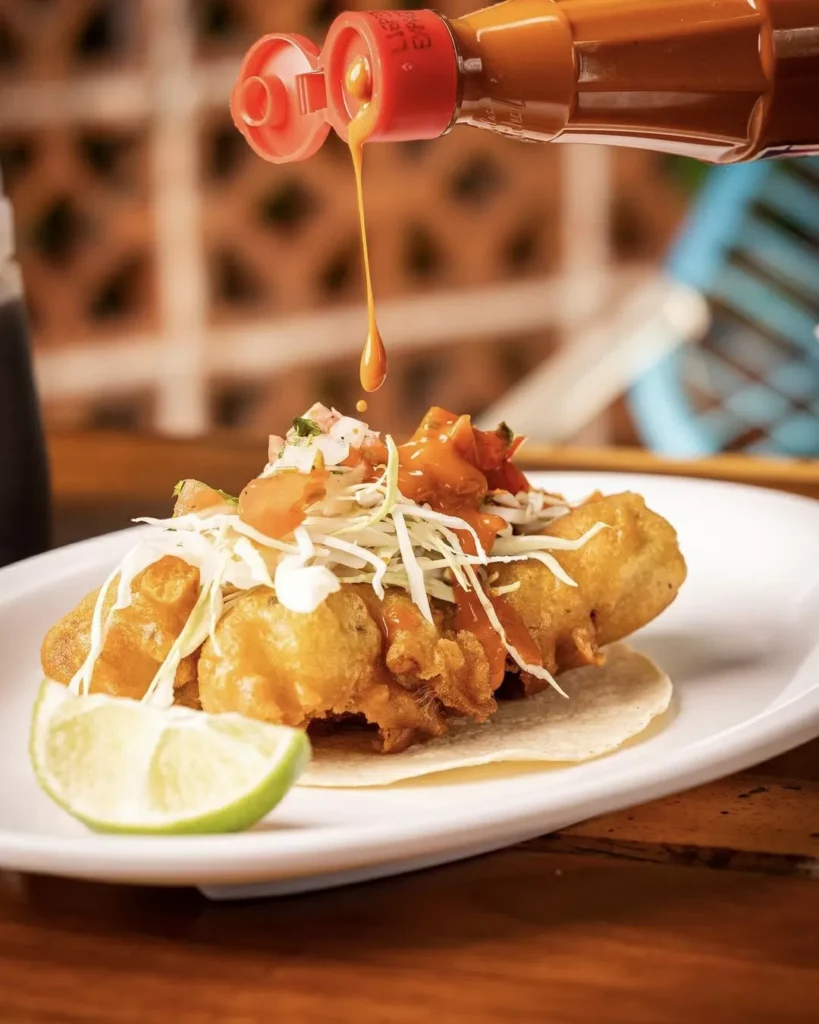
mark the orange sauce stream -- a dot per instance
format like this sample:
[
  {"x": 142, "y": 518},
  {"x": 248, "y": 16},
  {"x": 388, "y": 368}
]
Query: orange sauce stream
[
  {"x": 436, "y": 467},
  {"x": 470, "y": 615},
  {"x": 358, "y": 82},
  {"x": 398, "y": 616}
]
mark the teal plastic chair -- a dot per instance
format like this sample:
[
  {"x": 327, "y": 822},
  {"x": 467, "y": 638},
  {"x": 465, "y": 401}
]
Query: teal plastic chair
[{"x": 751, "y": 247}]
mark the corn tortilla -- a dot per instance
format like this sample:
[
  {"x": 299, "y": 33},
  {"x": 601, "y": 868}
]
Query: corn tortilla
[{"x": 606, "y": 707}]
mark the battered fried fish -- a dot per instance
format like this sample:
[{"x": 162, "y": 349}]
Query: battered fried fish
[
  {"x": 138, "y": 639},
  {"x": 626, "y": 576},
  {"x": 304, "y": 647},
  {"x": 354, "y": 655}
]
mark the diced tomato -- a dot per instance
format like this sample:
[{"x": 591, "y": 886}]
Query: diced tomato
[
  {"x": 507, "y": 477},
  {"x": 275, "y": 505},
  {"x": 372, "y": 453},
  {"x": 194, "y": 496},
  {"x": 449, "y": 462},
  {"x": 275, "y": 444}
]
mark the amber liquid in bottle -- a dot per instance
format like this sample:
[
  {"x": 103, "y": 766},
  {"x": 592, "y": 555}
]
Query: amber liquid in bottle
[
  {"x": 720, "y": 80},
  {"x": 373, "y": 367}
]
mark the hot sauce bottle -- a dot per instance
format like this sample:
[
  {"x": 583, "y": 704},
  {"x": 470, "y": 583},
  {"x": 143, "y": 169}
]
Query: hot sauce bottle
[{"x": 719, "y": 80}]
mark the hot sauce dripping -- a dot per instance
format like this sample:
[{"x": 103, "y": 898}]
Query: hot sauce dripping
[
  {"x": 470, "y": 615},
  {"x": 358, "y": 83},
  {"x": 485, "y": 525},
  {"x": 516, "y": 632},
  {"x": 398, "y": 616},
  {"x": 448, "y": 465},
  {"x": 393, "y": 614}
]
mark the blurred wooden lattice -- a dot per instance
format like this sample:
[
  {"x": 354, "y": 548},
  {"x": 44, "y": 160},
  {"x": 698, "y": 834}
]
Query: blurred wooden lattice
[
  {"x": 83, "y": 215},
  {"x": 52, "y": 40},
  {"x": 178, "y": 281}
]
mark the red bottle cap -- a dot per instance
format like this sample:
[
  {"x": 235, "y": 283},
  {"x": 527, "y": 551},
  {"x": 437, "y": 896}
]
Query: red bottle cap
[
  {"x": 413, "y": 72},
  {"x": 288, "y": 93},
  {"x": 278, "y": 100}
]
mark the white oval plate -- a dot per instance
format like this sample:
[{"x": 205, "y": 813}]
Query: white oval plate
[{"x": 741, "y": 644}]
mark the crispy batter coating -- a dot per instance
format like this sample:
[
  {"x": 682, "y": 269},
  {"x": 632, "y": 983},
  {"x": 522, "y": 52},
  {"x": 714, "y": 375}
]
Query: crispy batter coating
[
  {"x": 431, "y": 658},
  {"x": 358, "y": 656},
  {"x": 626, "y": 576},
  {"x": 139, "y": 638},
  {"x": 344, "y": 658}
]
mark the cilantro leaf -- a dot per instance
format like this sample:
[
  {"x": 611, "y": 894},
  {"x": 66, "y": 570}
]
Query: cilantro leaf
[
  {"x": 305, "y": 428},
  {"x": 505, "y": 433}
]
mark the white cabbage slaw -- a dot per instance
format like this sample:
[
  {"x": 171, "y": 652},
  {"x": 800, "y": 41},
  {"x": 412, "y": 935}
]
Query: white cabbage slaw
[{"x": 361, "y": 532}]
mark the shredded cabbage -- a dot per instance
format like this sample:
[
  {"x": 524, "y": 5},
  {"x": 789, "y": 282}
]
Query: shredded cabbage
[
  {"x": 364, "y": 533},
  {"x": 418, "y": 590}
]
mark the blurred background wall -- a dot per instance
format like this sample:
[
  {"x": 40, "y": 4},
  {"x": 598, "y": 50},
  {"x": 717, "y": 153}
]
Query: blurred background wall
[{"x": 177, "y": 283}]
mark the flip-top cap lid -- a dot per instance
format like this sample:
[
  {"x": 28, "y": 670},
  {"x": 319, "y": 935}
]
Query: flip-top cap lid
[{"x": 279, "y": 100}]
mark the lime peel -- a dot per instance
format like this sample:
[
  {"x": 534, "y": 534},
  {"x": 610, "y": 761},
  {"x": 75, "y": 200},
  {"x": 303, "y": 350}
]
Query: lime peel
[{"x": 120, "y": 765}]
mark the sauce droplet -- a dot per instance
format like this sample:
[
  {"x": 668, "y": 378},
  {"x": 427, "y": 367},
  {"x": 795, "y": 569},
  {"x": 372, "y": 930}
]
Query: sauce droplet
[
  {"x": 361, "y": 405},
  {"x": 358, "y": 82}
]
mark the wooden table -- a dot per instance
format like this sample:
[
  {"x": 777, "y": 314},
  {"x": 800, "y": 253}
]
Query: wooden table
[{"x": 702, "y": 907}]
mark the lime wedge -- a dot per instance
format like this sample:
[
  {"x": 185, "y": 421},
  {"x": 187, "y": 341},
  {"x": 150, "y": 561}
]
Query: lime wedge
[{"x": 119, "y": 765}]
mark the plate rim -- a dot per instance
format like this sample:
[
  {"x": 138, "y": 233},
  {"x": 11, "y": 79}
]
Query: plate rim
[{"x": 259, "y": 856}]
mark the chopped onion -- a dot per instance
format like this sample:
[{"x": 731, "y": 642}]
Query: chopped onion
[
  {"x": 349, "y": 431},
  {"x": 301, "y": 457}
]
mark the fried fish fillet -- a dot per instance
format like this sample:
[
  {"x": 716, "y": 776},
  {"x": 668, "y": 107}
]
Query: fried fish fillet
[
  {"x": 358, "y": 656},
  {"x": 354, "y": 655},
  {"x": 138, "y": 639},
  {"x": 626, "y": 576}
]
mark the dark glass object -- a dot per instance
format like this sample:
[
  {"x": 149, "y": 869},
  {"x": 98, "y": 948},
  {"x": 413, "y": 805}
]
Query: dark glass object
[{"x": 25, "y": 519}]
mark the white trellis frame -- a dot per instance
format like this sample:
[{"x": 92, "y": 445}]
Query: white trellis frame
[{"x": 178, "y": 361}]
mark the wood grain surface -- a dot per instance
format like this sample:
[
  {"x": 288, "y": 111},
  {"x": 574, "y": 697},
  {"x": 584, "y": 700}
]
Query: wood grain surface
[
  {"x": 523, "y": 935},
  {"x": 107, "y": 466},
  {"x": 700, "y": 907}
]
